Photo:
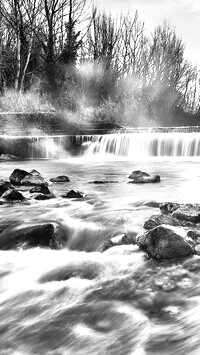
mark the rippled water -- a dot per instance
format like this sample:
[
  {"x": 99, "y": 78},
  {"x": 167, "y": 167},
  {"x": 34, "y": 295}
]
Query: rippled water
[{"x": 79, "y": 300}]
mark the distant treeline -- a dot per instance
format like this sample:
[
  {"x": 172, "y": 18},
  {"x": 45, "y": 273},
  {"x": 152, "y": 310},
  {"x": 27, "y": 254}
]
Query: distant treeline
[{"x": 80, "y": 59}]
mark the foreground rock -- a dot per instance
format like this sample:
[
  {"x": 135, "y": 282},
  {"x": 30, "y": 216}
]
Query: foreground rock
[
  {"x": 45, "y": 235},
  {"x": 5, "y": 186},
  {"x": 62, "y": 178},
  {"x": 42, "y": 197},
  {"x": 13, "y": 195},
  {"x": 140, "y": 177},
  {"x": 17, "y": 176},
  {"x": 73, "y": 194},
  {"x": 43, "y": 189},
  {"x": 157, "y": 220},
  {"x": 188, "y": 212},
  {"x": 165, "y": 242}
]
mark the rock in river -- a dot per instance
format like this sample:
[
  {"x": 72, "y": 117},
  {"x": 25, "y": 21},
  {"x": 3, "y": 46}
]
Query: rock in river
[
  {"x": 49, "y": 234},
  {"x": 188, "y": 212},
  {"x": 73, "y": 194},
  {"x": 43, "y": 189},
  {"x": 5, "y": 186},
  {"x": 13, "y": 195},
  {"x": 17, "y": 176},
  {"x": 157, "y": 220},
  {"x": 33, "y": 179},
  {"x": 140, "y": 177},
  {"x": 62, "y": 178},
  {"x": 164, "y": 242},
  {"x": 42, "y": 197}
]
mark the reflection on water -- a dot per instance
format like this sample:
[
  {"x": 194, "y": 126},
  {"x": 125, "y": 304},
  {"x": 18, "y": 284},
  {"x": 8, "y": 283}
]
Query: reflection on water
[{"x": 80, "y": 301}]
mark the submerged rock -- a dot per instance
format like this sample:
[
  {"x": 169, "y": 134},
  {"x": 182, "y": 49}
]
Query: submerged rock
[
  {"x": 98, "y": 182},
  {"x": 43, "y": 189},
  {"x": 157, "y": 220},
  {"x": 17, "y": 176},
  {"x": 49, "y": 235},
  {"x": 8, "y": 157},
  {"x": 5, "y": 186},
  {"x": 73, "y": 194},
  {"x": 140, "y": 177},
  {"x": 62, "y": 178},
  {"x": 42, "y": 197},
  {"x": 13, "y": 195},
  {"x": 164, "y": 242},
  {"x": 189, "y": 213}
]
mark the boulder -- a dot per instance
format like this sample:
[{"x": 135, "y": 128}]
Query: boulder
[
  {"x": 13, "y": 195},
  {"x": 140, "y": 177},
  {"x": 17, "y": 176},
  {"x": 42, "y": 197},
  {"x": 168, "y": 207},
  {"x": 33, "y": 179},
  {"x": 5, "y": 186},
  {"x": 47, "y": 235},
  {"x": 43, "y": 189},
  {"x": 165, "y": 242},
  {"x": 157, "y": 220},
  {"x": 73, "y": 194},
  {"x": 62, "y": 178},
  {"x": 188, "y": 212}
]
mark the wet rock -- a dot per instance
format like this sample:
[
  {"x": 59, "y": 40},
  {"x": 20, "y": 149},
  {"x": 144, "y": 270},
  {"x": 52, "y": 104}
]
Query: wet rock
[
  {"x": 61, "y": 178},
  {"x": 13, "y": 195},
  {"x": 189, "y": 213},
  {"x": 17, "y": 176},
  {"x": 43, "y": 189},
  {"x": 45, "y": 235},
  {"x": 121, "y": 239},
  {"x": 98, "y": 182},
  {"x": 5, "y": 186},
  {"x": 164, "y": 242},
  {"x": 194, "y": 235},
  {"x": 34, "y": 172},
  {"x": 33, "y": 179},
  {"x": 73, "y": 194},
  {"x": 157, "y": 220},
  {"x": 153, "y": 204},
  {"x": 7, "y": 157},
  {"x": 168, "y": 207},
  {"x": 140, "y": 177},
  {"x": 42, "y": 197}
]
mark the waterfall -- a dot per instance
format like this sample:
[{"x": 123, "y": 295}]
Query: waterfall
[
  {"x": 131, "y": 144},
  {"x": 143, "y": 144}
]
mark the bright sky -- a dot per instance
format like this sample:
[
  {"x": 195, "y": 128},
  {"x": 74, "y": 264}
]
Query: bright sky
[{"x": 184, "y": 15}]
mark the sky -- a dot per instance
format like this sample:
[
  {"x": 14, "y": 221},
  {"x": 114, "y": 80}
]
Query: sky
[{"x": 183, "y": 15}]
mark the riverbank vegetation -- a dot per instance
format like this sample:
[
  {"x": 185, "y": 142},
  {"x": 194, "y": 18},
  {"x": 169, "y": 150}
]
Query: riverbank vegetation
[{"x": 65, "y": 55}]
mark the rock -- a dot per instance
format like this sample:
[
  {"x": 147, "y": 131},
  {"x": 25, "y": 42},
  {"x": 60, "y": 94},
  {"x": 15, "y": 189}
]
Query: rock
[
  {"x": 73, "y": 194},
  {"x": 157, "y": 220},
  {"x": 194, "y": 235},
  {"x": 98, "y": 182},
  {"x": 35, "y": 179},
  {"x": 140, "y": 177},
  {"x": 168, "y": 207},
  {"x": 34, "y": 172},
  {"x": 164, "y": 242},
  {"x": 61, "y": 178},
  {"x": 17, "y": 176},
  {"x": 7, "y": 157},
  {"x": 5, "y": 186},
  {"x": 121, "y": 239},
  {"x": 49, "y": 235},
  {"x": 153, "y": 204},
  {"x": 43, "y": 189},
  {"x": 189, "y": 213},
  {"x": 13, "y": 195},
  {"x": 42, "y": 197}
]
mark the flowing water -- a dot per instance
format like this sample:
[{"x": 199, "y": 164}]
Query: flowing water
[{"x": 79, "y": 300}]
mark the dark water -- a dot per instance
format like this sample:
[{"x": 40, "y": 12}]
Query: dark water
[{"x": 79, "y": 300}]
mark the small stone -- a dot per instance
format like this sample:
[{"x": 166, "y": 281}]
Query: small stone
[
  {"x": 13, "y": 195},
  {"x": 73, "y": 194},
  {"x": 99, "y": 182},
  {"x": 62, "y": 178}
]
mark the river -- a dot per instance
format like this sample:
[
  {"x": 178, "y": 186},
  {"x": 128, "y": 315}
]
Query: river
[{"x": 79, "y": 300}]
